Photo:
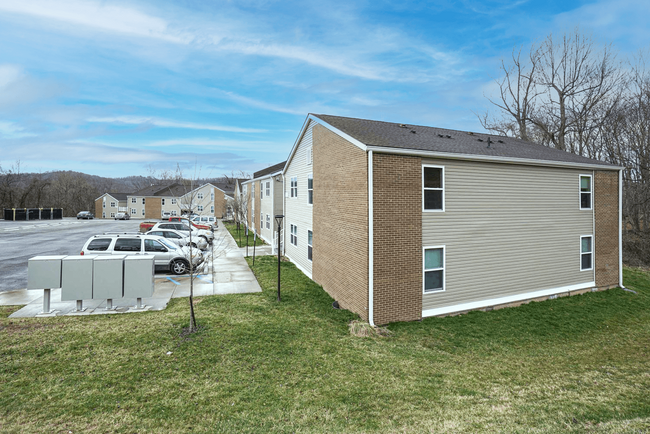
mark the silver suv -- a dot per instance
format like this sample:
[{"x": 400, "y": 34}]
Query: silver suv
[{"x": 168, "y": 256}]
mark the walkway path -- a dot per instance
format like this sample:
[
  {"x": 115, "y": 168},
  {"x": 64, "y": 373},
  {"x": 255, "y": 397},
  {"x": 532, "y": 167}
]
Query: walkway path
[{"x": 228, "y": 273}]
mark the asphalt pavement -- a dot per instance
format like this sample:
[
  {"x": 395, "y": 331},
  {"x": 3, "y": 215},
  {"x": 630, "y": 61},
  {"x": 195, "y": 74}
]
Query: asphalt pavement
[{"x": 22, "y": 240}]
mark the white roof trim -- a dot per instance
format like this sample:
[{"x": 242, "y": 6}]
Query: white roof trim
[
  {"x": 269, "y": 175},
  {"x": 488, "y": 158},
  {"x": 108, "y": 194},
  {"x": 326, "y": 125}
]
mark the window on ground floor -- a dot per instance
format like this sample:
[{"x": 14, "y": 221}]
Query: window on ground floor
[
  {"x": 310, "y": 235},
  {"x": 133, "y": 211},
  {"x": 268, "y": 221},
  {"x": 434, "y": 269},
  {"x": 294, "y": 235},
  {"x": 199, "y": 208},
  {"x": 142, "y": 211},
  {"x": 112, "y": 215},
  {"x": 586, "y": 253}
]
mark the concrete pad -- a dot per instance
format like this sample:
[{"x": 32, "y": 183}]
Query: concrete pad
[{"x": 19, "y": 297}]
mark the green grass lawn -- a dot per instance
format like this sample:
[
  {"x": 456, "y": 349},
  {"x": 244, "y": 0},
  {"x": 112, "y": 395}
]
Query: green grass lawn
[
  {"x": 232, "y": 228},
  {"x": 575, "y": 364}
]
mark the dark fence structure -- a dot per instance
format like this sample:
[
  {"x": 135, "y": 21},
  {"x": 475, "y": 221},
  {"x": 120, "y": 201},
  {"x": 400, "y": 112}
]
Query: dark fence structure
[{"x": 17, "y": 214}]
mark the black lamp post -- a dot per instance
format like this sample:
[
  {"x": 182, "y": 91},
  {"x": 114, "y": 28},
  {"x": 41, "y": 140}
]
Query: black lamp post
[{"x": 278, "y": 220}]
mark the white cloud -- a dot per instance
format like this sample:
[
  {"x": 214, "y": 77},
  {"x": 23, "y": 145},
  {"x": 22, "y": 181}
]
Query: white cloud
[
  {"x": 10, "y": 130},
  {"x": 9, "y": 74},
  {"x": 98, "y": 15},
  {"x": 163, "y": 123}
]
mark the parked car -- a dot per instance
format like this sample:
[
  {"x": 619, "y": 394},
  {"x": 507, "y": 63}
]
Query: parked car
[
  {"x": 85, "y": 215},
  {"x": 122, "y": 216},
  {"x": 182, "y": 227},
  {"x": 168, "y": 256},
  {"x": 180, "y": 238},
  {"x": 187, "y": 221},
  {"x": 206, "y": 220}
]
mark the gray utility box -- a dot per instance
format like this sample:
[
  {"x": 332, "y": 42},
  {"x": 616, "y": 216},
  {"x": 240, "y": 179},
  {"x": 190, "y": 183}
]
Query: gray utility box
[
  {"x": 44, "y": 272},
  {"x": 139, "y": 276},
  {"x": 108, "y": 277},
  {"x": 77, "y": 280}
]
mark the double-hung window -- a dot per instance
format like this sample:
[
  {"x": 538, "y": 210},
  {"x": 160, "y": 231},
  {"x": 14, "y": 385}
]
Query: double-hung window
[
  {"x": 310, "y": 189},
  {"x": 294, "y": 235},
  {"x": 133, "y": 211},
  {"x": 199, "y": 208},
  {"x": 310, "y": 235},
  {"x": 586, "y": 253},
  {"x": 112, "y": 204},
  {"x": 268, "y": 188},
  {"x": 261, "y": 220},
  {"x": 294, "y": 186},
  {"x": 199, "y": 195},
  {"x": 134, "y": 200},
  {"x": 434, "y": 269},
  {"x": 143, "y": 201},
  {"x": 268, "y": 221},
  {"x": 585, "y": 191},
  {"x": 173, "y": 201},
  {"x": 433, "y": 193},
  {"x": 142, "y": 211},
  {"x": 162, "y": 201}
]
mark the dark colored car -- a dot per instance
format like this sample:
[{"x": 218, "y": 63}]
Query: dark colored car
[{"x": 85, "y": 215}]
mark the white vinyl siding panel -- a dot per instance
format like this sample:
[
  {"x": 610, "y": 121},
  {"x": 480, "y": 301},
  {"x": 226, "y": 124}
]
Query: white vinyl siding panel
[
  {"x": 508, "y": 230},
  {"x": 298, "y": 212}
]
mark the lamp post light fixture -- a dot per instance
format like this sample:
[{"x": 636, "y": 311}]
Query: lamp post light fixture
[{"x": 278, "y": 220}]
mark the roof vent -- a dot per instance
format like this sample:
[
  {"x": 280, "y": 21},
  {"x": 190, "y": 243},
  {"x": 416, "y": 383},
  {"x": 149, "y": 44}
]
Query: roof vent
[
  {"x": 413, "y": 131},
  {"x": 448, "y": 136},
  {"x": 500, "y": 141},
  {"x": 440, "y": 135},
  {"x": 402, "y": 126},
  {"x": 480, "y": 140},
  {"x": 489, "y": 143}
]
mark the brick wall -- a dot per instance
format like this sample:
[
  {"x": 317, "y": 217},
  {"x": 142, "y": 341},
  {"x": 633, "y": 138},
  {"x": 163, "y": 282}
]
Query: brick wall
[
  {"x": 397, "y": 202},
  {"x": 219, "y": 204},
  {"x": 153, "y": 208},
  {"x": 249, "y": 207},
  {"x": 340, "y": 220},
  {"x": 99, "y": 209},
  {"x": 606, "y": 236}
]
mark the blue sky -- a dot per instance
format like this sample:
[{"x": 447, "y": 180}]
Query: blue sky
[{"x": 119, "y": 88}]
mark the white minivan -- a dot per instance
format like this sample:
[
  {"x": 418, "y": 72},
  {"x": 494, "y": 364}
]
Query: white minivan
[{"x": 168, "y": 256}]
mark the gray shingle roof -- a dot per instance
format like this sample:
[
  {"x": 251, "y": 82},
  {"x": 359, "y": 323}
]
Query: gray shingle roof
[
  {"x": 119, "y": 196},
  {"x": 420, "y": 138},
  {"x": 272, "y": 169}
]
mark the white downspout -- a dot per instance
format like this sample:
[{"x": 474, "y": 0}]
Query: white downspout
[
  {"x": 371, "y": 310},
  {"x": 620, "y": 228}
]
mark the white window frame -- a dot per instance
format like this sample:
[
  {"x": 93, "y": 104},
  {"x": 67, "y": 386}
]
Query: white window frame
[
  {"x": 134, "y": 211},
  {"x": 268, "y": 221},
  {"x": 162, "y": 201},
  {"x": 212, "y": 209},
  {"x": 591, "y": 192},
  {"x": 104, "y": 214},
  {"x": 143, "y": 200},
  {"x": 112, "y": 215},
  {"x": 310, "y": 156},
  {"x": 268, "y": 188},
  {"x": 310, "y": 247},
  {"x": 211, "y": 196},
  {"x": 591, "y": 252},
  {"x": 134, "y": 200},
  {"x": 199, "y": 208},
  {"x": 444, "y": 269},
  {"x": 294, "y": 235},
  {"x": 199, "y": 195},
  {"x": 294, "y": 186},
  {"x": 112, "y": 204},
  {"x": 174, "y": 212},
  {"x": 442, "y": 175},
  {"x": 173, "y": 201},
  {"x": 143, "y": 211},
  {"x": 310, "y": 198},
  {"x": 261, "y": 220}
]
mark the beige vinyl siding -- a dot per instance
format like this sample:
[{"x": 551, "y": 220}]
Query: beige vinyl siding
[
  {"x": 298, "y": 212},
  {"x": 508, "y": 230},
  {"x": 270, "y": 205}
]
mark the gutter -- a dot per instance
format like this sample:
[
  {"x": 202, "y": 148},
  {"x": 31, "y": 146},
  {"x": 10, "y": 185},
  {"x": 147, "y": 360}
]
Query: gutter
[{"x": 371, "y": 228}]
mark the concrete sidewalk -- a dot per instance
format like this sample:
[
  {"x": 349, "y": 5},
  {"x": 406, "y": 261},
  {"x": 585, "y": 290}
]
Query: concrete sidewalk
[{"x": 228, "y": 273}]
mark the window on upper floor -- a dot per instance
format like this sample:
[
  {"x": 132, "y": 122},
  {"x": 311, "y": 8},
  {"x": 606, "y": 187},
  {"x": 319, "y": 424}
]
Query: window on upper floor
[
  {"x": 112, "y": 204},
  {"x": 199, "y": 195},
  {"x": 268, "y": 188},
  {"x": 433, "y": 183},
  {"x": 310, "y": 189},
  {"x": 294, "y": 186},
  {"x": 134, "y": 200},
  {"x": 173, "y": 201},
  {"x": 143, "y": 201},
  {"x": 586, "y": 253},
  {"x": 211, "y": 196},
  {"x": 434, "y": 269},
  {"x": 162, "y": 201},
  {"x": 585, "y": 191}
]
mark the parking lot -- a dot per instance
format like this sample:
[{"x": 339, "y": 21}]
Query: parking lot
[{"x": 22, "y": 240}]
